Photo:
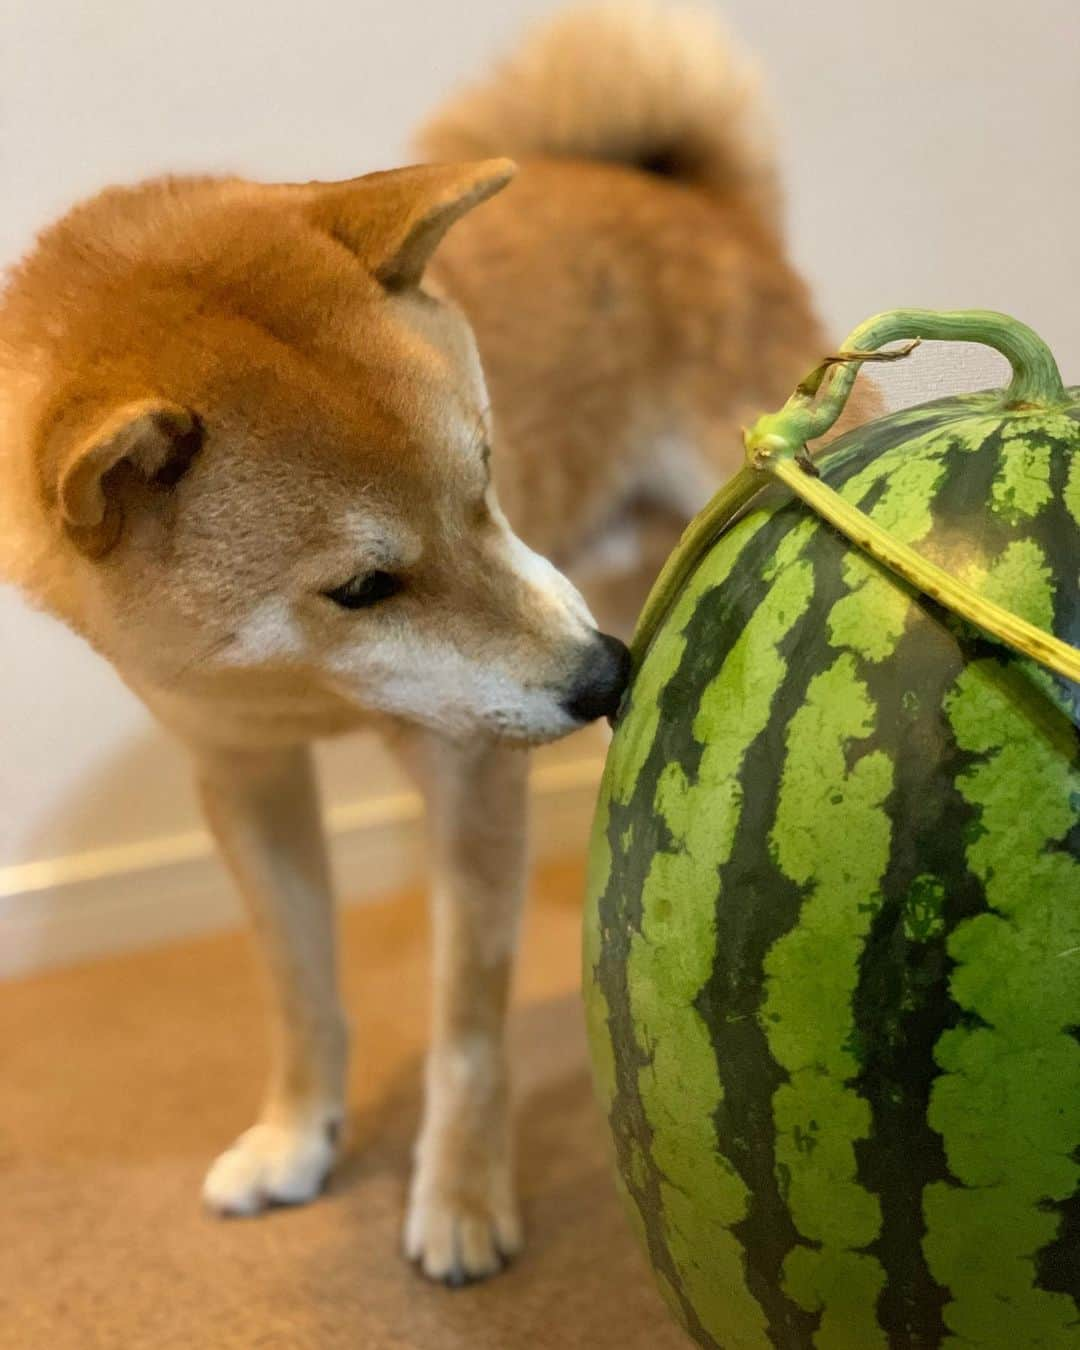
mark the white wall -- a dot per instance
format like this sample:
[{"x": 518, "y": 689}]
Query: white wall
[{"x": 931, "y": 153}]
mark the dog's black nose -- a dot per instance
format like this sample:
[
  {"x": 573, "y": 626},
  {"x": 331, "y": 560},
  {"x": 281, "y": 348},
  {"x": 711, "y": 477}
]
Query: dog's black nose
[{"x": 600, "y": 681}]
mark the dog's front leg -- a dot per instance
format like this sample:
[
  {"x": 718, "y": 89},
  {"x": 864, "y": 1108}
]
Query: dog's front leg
[
  {"x": 462, "y": 1218},
  {"x": 263, "y": 810}
]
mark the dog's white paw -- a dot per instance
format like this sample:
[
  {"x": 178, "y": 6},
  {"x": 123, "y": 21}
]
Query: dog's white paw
[
  {"x": 463, "y": 1229},
  {"x": 272, "y": 1164}
]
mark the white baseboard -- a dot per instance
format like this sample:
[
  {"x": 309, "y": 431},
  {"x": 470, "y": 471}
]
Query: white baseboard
[{"x": 137, "y": 895}]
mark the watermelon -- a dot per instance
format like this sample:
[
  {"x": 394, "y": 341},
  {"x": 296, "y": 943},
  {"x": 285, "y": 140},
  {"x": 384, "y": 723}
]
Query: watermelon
[{"x": 832, "y": 939}]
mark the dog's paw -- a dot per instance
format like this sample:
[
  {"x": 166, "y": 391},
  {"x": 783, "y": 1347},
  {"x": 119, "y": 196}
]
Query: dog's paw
[
  {"x": 272, "y": 1164},
  {"x": 463, "y": 1230}
]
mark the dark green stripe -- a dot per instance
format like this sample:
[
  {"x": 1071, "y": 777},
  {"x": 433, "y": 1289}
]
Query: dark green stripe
[
  {"x": 1021, "y": 490},
  {"x": 757, "y": 905},
  {"x": 967, "y": 530},
  {"x": 901, "y": 999},
  {"x": 868, "y": 615},
  {"x": 902, "y": 1002},
  {"x": 676, "y": 951},
  {"x": 654, "y": 734}
]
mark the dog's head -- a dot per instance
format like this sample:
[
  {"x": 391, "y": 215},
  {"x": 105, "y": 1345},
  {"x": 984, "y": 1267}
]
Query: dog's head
[{"x": 264, "y": 451}]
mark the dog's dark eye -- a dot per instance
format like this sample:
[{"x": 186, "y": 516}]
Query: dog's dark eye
[{"x": 366, "y": 589}]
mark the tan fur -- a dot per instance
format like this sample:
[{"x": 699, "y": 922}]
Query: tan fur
[{"x": 220, "y": 400}]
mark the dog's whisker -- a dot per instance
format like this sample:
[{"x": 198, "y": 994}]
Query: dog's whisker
[
  {"x": 202, "y": 657},
  {"x": 480, "y": 431}
]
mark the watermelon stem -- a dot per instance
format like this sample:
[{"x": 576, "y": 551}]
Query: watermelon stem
[
  {"x": 777, "y": 445},
  {"x": 1036, "y": 381}
]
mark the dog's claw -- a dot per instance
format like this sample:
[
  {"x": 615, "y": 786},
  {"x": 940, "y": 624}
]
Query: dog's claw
[{"x": 456, "y": 1247}]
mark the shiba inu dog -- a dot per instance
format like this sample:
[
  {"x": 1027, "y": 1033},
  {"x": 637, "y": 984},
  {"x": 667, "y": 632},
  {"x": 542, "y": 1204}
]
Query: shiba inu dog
[{"x": 296, "y": 465}]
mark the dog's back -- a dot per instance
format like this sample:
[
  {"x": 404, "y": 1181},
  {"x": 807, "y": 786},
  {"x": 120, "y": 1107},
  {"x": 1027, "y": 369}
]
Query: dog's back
[{"x": 630, "y": 292}]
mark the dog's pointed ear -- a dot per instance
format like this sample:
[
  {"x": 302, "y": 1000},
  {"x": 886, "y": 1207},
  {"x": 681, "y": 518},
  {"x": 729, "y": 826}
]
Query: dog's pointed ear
[
  {"x": 87, "y": 455},
  {"x": 394, "y": 221}
]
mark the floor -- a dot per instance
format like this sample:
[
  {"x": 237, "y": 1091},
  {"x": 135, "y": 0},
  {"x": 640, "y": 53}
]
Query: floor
[{"x": 119, "y": 1080}]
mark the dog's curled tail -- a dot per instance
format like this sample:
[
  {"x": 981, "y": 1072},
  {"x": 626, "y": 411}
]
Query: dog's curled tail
[{"x": 630, "y": 81}]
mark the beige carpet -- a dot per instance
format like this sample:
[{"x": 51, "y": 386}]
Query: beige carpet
[{"x": 119, "y": 1081}]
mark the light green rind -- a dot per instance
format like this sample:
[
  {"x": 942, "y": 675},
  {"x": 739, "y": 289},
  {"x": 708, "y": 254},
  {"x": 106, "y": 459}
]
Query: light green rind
[
  {"x": 1072, "y": 489},
  {"x": 1021, "y": 578},
  {"x": 1007, "y": 1104},
  {"x": 626, "y": 760},
  {"x": 832, "y": 837},
  {"x": 1072, "y": 500},
  {"x": 631, "y": 747},
  {"x": 621, "y": 772},
  {"x": 813, "y": 972},
  {"x": 1022, "y": 486},
  {"x": 671, "y": 960},
  {"x": 790, "y": 547},
  {"x": 871, "y": 618}
]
